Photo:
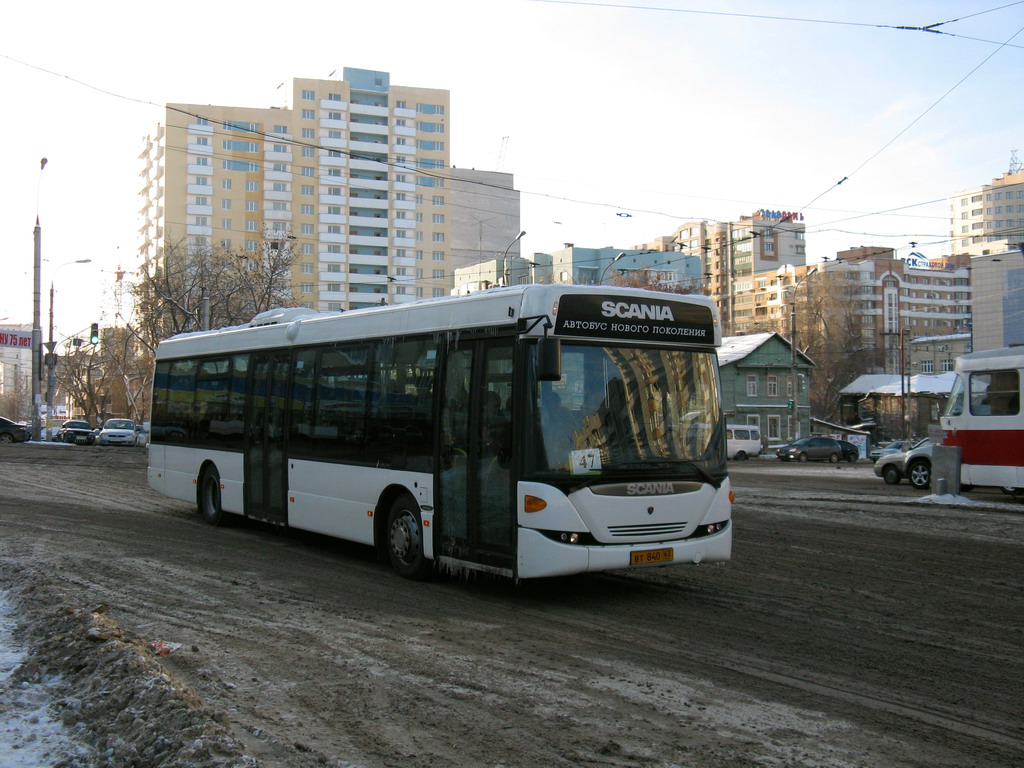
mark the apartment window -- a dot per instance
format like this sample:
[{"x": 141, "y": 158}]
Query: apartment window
[
  {"x": 252, "y": 226},
  {"x": 308, "y": 189},
  {"x": 334, "y": 97},
  {"x": 334, "y": 116},
  {"x": 307, "y": 171},
  {"x": 333, "y": 248},
  {"x": 280, "y": 167},
  {"x": 399, "y": 105},
  {"x": 334, "y": 287},
  {"x": 308, "y": 114},
  {"x": 250, "y": 245},
  {"x": 225, "y": 183},
  {"x": 308, "y": 133},
  {"x": 201, "y": 181},
  {"x": 438, "y": 255},
  {"x": 399, "y": 122},
  {"x": 401, "y": 233},
  {"x": 334, "y": 171},
  {"x": 437, "y": 218},
  {"x": 309, "y": 95},
  {"x": 334, "y": 191},
  {"x": 751, "y": 385},
  {"x": 419, "y": 216},
  {"x": 308, "y": 152},
  {"x": 279, "y": 186},
  {"x": 202, "y": 201},
  {"x": 202, "y": 221},
  {"x": 252, "y": 205},
  {"x": 430, "y": 146},
  {"x": 437, "y": 274},
  {"x": 306, "y": 249},
  {"x": 278, "y": 206},
  {"x": 429, "y": 127},
  {"x": 419, "y": 274},
  {"x": 437, "y": 237},
  {"x": 226, "y": 243},
  {"x": 306, "y": 209},
  {"x": 334, "y": 267},
  {"x": 419, "y": 236},
  {"x": 430, "y": 109},
  {"x": 240, "y": 146},
  {"x": 334, "y": 134},
  {"x": 202, "y": 121},
  {"x": 225, "y": 204},
  {"x": 772, "y": 385},
  {"x": 306, "y": 269},
  {"x": 225, "y": 223},
  {"x": 437, "y": 200},
  {"x": 334, "y": 210},
  {"x": 202, "y": 161},
  {"x": 419, "y": 255},
  {"x": 401, "y": 178},
  {"x": 306, "y": 229},
  {"x": 252, "y": 186},
  {"x": 306, "y": 287},
  {"x": 438, "y": 293},
  {"x": 927, "y": 366}
]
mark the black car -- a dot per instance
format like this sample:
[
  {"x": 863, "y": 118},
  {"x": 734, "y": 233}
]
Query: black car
[
  {"x": 812, "y": 449},
  {"x": 12, "y": 432},
  {"x": 850, "y": 451},
  {"x": 78, "y": 432}
]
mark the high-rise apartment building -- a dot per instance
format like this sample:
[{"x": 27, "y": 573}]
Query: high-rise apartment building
[
  {"x": 352, "y": 178},
  {"x": 732, "y": 252},
  {"x": 980, "y": 218}
]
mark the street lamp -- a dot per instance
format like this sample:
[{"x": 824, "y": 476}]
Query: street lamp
[
  {"x": 504, "y": 256},
  {"x": 37, "y": 330},
  {"x": 51, "y": 358},
  {"x": 608, "y": 266}
]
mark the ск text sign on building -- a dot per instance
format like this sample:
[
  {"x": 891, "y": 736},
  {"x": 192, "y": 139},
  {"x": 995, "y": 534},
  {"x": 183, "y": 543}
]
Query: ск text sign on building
[{"x": 12, "y": 339}]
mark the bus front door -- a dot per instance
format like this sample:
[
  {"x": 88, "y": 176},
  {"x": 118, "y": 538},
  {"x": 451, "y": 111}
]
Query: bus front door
[
  {"x": 475, "y": 492},
  {"x": 266, "y": 474}
]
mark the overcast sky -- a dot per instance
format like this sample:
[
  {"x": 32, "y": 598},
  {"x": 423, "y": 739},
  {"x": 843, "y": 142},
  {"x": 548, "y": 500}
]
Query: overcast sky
[{"x": 619, "y": 120}]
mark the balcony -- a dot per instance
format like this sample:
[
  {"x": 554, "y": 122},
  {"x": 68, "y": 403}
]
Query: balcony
[
  {"x": 367, "y": 201},
  {"x": 369, "y": 222},
  {"x": 373, "y": 242},
  {"x": 368, "y": 109},
  {"x": 333, "y": 143},
  {"x": 277, "y": 215},
  {"x": 409, "y": 114},
  {"x": 377, "y": 166},
  {"x": 333, "y": 105},
  {"x": 277, "y": 176},
  {"x": 199, "y": 210},
  {"x": 200, "y": 170},
  {"x": 277, "y": 157},
  {"x": 369, "y": 147},
  {"x": 332, "y": 237},
  {"x": 357, "y": 183},
  {"x": 331, "y": 218},
  {"x": 332, "y": 258}
]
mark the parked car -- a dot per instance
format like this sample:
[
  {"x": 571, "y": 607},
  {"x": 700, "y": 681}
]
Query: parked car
[
  {"x": 12, "y": 431},
  {"x": 118, "y": 432},
  {"x": 812, "y": 449},
  {"x": 77, "y": 432},
  {"x": 915, "y": 465},
  {"x": 884, "y": 449},
  {"x": 850, "y": 451},
  {"x": 742, "y": 441}
]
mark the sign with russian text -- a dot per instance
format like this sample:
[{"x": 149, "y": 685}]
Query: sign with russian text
[
  {"x": 15, "y": 339},
  {"x": 634, "y": 318}
]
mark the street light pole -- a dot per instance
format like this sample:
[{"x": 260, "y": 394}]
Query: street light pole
[
  {"x": 608, "y": 266},
  {"x": 505, "y": 256},
  {"x": 792, "y": 351},
  {"x": 51, "y": 358},
  {"x": 37, "y": 330}
]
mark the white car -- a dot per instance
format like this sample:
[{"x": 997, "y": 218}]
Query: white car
[{"x": 117, "y": 432}]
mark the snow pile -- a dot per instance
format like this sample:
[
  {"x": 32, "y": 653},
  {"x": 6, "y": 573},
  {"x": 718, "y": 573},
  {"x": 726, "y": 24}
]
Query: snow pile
[
  {"x": 29, "y": 737},
  {"x": 949, "y": 499},
  {"x": 119, "y": 703}
]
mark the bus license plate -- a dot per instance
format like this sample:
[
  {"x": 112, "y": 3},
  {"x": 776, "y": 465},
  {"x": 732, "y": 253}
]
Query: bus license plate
[{"x": 650, "y": 556}]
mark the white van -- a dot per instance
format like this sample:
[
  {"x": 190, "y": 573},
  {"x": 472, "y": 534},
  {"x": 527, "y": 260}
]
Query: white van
[{"x": 742, "y": 441}]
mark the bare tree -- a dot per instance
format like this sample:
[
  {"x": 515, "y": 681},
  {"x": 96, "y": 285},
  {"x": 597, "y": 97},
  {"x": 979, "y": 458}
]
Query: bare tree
[
  {"x": 652, "y": 280},
  {"x": 190, "y": 287},
  {"x": 829, "y": 332}
]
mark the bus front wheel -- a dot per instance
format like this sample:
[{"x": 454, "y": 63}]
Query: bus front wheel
[
  {"x": 209, "y": 497},
  {"x": 405, "y": 539}
]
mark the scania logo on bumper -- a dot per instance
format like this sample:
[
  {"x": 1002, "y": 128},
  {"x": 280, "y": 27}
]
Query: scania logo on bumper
[{"x": 649, "y": 489}]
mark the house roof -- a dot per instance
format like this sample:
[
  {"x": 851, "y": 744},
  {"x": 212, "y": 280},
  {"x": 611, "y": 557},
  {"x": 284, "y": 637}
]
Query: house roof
[
  {"x": 888, "y": 384},
  {"x": 737, "y": 347}
]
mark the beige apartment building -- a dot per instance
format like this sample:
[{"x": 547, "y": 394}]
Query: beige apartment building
[
  {"x": 989, "y": 219},
  {"x": 732, "y": 252},
  {"x": 352, "y": 177},
  {"x": 892, "y": 301}
]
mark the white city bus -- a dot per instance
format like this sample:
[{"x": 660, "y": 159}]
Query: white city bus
[
  {"x": 530, "y": 431},
  {"x": 983, "y": 417}
]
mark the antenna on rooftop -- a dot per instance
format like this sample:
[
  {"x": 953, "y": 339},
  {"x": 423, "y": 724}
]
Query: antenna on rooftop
[{"x": 1015, "y": 164}]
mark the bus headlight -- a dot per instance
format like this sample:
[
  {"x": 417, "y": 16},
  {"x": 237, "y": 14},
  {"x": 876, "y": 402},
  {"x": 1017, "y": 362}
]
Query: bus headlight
[{"x": 570, "y": 538}]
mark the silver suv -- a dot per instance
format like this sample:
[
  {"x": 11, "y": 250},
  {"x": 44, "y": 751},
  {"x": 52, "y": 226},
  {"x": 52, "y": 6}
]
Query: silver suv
[{"x": 915, "y": 465}]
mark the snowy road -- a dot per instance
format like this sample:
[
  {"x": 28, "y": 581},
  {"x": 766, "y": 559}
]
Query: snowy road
[{"x": 855, "y": 626}]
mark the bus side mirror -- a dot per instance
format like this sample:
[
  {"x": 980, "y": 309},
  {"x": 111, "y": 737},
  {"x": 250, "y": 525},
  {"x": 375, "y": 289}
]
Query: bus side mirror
[{"x": 549, "y": 359}]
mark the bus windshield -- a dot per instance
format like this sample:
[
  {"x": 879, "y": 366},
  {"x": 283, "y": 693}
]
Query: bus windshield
[{"x": 627, "y": 408}]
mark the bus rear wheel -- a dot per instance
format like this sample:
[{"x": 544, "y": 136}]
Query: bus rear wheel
[
  {"x": 405, "y": 539},
  {"x": 209, "y": 497}
]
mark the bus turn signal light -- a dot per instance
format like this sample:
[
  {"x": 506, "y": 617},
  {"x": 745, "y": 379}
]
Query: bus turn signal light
[{"x": 533, "y": 504}]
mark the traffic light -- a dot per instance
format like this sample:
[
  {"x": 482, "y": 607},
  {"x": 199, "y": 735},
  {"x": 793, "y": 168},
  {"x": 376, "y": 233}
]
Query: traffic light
[
  {"x": 790, "y": 406},
  {"x": 94, "y": 334}
]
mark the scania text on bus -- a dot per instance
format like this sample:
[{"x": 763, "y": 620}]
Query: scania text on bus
[{"x": 517, "y": 431}]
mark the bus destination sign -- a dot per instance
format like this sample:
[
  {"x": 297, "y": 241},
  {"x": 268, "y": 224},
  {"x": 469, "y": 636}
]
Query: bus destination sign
[{"x": 634, "y": 318}]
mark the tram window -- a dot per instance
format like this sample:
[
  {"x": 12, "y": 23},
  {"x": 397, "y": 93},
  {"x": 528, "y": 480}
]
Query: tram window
[{"x": 995, "y": 393}]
